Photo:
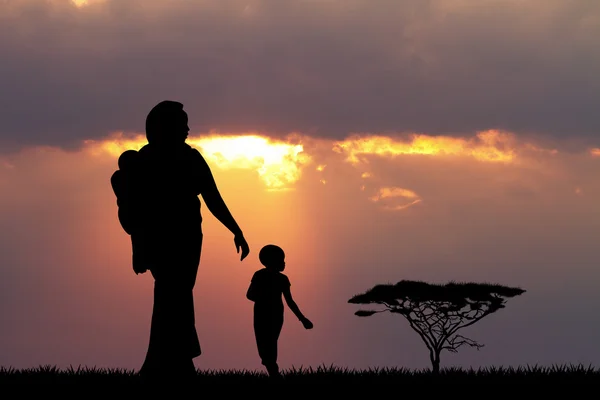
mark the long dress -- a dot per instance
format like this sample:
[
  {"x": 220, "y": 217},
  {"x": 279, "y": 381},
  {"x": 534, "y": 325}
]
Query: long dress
[{"x": 168, "y": 242}]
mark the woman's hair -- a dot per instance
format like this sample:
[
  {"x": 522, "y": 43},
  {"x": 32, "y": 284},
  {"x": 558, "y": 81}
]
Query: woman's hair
[
  {"x": 270, "y": 253},
  {"x": 161, "y": 118}
]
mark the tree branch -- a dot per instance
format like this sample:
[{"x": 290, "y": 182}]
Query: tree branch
[{"x": 458, "y": 340}]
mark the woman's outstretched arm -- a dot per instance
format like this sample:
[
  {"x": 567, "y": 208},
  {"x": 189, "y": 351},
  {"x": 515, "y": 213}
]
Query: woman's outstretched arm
[{"x": 216, "y": 205}]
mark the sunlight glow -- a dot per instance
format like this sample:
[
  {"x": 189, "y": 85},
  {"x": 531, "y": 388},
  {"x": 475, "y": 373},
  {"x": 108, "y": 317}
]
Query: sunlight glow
[
  {"x": 595, "y": 152},
  {"x": 278, "y": 163},
  {"x": 84, "y": 3},
  {"x": 488, "y": 146}
]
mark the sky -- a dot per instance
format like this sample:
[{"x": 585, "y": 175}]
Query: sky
[{"x": 373, "y": 140}]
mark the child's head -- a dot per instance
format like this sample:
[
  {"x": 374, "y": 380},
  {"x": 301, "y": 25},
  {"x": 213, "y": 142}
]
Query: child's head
[
  {"x": 127, "y": 159},
  {"x": 272, "y": 257}
]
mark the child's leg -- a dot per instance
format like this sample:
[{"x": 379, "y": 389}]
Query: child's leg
[
  {"x": 267, "y": 334},
  {"x": 267, "y": 348},
  {"x": 272, "y": 339}
]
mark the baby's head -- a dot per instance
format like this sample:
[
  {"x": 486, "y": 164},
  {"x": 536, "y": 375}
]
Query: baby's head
[
  {"x": 127, "y": 159},
  {"x": 272, "y": 257}
]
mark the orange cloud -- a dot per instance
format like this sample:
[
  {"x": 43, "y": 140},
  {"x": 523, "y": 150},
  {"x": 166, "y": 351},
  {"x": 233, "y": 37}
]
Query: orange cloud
[
  {"x": 488, "y": 146},
  {"x": 534, "y": 148},
  {"x": 396, "y": 193},
  {"x": 279, "y": 163},
  {"x": 595, "y": 152},
  {"x": 6, "y": 164}
]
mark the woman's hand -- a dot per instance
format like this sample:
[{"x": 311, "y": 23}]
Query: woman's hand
[{"x": 240, "y": 243}]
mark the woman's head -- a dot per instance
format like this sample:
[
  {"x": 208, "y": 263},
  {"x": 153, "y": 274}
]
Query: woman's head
[{"x": 167, "y": 123}]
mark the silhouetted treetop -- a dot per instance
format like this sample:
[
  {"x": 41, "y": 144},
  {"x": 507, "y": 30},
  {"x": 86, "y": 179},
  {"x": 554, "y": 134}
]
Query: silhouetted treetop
[
  {"x": 438, "y": 311},
  {"x": 455, "y": 294}
]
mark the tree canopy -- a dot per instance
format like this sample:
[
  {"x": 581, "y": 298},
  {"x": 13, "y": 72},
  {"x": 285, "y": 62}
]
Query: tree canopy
[
  {"x": 437, "y": 311},
  {"x": 458, "y": 294}
]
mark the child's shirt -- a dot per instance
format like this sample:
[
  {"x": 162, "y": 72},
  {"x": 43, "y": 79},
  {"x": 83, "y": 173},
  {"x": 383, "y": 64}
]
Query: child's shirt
[{"x": 268, "y": 286}]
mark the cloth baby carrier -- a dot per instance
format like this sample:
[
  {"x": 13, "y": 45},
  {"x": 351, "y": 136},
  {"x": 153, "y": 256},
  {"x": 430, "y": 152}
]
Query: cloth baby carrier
[{"x": 156, "y": 190}]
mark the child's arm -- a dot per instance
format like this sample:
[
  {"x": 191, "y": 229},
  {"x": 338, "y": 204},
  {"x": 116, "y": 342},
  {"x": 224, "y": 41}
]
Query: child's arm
[
  {"x": 287, "y": 294},
  {"x": 251, "y": 294}
]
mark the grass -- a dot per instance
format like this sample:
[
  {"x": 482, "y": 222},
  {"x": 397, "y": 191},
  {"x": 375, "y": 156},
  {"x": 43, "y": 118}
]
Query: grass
[{"x": 575, "y": 374}]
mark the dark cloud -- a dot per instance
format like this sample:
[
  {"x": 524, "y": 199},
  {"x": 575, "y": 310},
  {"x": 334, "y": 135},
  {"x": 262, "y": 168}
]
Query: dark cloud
[{"x": 321, "y": 67}]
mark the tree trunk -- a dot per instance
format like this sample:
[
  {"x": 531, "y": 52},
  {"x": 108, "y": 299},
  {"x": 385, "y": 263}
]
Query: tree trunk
[
  {"x": 436, "y": 366},
  {"x": 435, "y": 362}
]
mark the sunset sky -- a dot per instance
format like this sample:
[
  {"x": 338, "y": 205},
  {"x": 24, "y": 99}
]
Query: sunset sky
[{"x": 374, "y": 140}]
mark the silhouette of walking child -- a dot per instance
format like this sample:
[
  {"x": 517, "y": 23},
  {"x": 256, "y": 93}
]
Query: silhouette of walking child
[{"x": 266, "y": 289}]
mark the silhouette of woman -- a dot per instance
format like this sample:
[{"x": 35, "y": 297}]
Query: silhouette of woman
[{"x": 167, "y": 235}]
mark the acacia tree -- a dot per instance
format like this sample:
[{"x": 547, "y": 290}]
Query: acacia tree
[{"x": 437, "y": 312}]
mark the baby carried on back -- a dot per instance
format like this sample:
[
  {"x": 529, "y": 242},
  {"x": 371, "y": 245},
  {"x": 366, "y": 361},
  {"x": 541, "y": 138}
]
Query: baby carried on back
[{"x": 144, "y": 184}]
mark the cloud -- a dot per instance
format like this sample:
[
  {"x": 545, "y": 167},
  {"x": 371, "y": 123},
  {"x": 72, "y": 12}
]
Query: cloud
[
  {"x": 323, "y": 68},
  {"x": 409, "y": 198},
  {"x": 388, "y": 171},
  {"x": 280, "y": 162},
  {"x": 490, "y": 146}
]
